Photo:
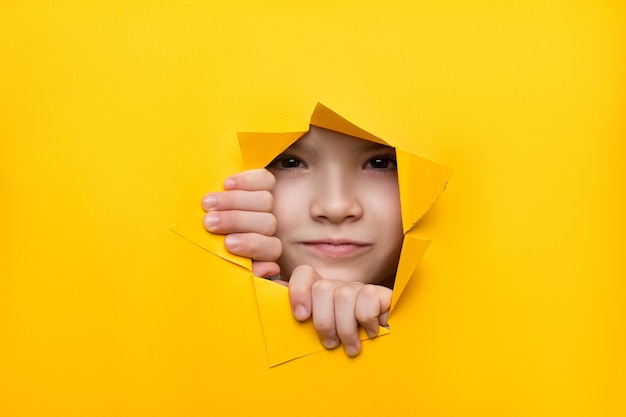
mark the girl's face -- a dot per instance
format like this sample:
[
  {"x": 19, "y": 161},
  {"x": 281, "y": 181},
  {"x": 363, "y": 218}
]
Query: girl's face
[{"x": 337, "y": 205}]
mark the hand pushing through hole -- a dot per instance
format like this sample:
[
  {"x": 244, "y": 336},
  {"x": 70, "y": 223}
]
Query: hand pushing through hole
[
  {"x": 243, "y": 212},
  {"x": 325, "y": 214},
  {"x": 338, "y": 308}
]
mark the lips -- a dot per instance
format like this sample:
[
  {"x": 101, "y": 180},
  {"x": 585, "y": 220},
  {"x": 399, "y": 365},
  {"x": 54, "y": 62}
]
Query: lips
[{"x": 336, "y": 248}]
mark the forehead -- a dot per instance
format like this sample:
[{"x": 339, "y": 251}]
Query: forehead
[{"x": 318, "y": 140}]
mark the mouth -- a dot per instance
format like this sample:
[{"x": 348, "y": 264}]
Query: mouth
[{"x": 336, "y": 248}]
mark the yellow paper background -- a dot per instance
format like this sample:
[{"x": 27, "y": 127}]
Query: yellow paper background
[{"x": 114, "y": 115}]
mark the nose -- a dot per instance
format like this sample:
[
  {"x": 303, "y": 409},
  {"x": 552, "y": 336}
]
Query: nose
[{"x": 336, "y": 199}]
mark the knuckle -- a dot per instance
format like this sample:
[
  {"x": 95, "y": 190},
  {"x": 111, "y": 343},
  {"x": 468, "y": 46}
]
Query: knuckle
[
  {"x": 363, "y": 316},
  {"x": 348, "y": 336},
  {"x": 324, "y": 326},
  {"x": 267, "y": 200},
  {"x": 302, "y": 271},
  {"x": 322, "y": 286},
  {"x": 270, "y": 179},
  {"x": 305, "y": 278},
  {"x": 298, "y": 275},
  {"x": 244, "y": 178},
  {"x": 271, "y": 224},
  {"x": 225, "y": 200},
  {"x": 249, "y": 244},
  {"x": 277, "y": 249},
  {"x": 368, "y": 291},
  {"x": 345, "y": 293},
  {"x": 297, "y": 296},
  {"x": 264, "y": 248},
  {"x": 228, "y": 219}
]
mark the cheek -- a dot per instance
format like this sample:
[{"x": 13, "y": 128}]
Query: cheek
[
  {"x": 384, "y": 205},
  {"x": 388, "y": 220},
  {"x": 289, "y": 209}
]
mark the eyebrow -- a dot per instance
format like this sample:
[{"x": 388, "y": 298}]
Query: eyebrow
[
  {"x": 303, "y": 147},
  {"x": 370, "y": 146}
]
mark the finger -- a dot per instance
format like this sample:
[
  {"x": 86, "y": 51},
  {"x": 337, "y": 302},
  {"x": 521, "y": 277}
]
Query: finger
[
  {"x": 347, "y": 326},
  {"x": 384, "y": 299},
  {"x": 238, "y": 200},
  {"x": 251, "y": 180},
  {"x": 300, "y": 283},
  {"x": 323, "y": 312},
  {"x": 383, "y": 319},
  {"x": 367, "y": 309},
  {"x": 235, "y": 221},
  {"x": 255, "y": 246},
  {"x": 265, "y": 269}
]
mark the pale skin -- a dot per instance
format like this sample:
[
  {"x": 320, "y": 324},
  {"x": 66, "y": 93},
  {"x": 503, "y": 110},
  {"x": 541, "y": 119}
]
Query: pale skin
[
  {"x": 244, "y": 213},
  {"x": 342, "y": 242}
]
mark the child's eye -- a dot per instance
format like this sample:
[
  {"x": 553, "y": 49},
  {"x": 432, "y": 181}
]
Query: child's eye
[
  {"x": 382, "y": 163},
  {"x": 286, "y": 162}
]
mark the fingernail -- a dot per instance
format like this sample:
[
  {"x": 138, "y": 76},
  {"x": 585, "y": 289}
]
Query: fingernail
[
  {"x": 211, "y": 220},
  {"x": 330, "y": 343},
  {"x": 351, "y": 350},
  {"x": 232, "y": 242},
  {"x": 300, "y": 313},
  {"x": 371, "y": 334},
  {"x": 229, "y": 183},
  {"x": 209, "y": 202}
]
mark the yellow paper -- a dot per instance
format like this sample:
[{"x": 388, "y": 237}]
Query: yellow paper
[{"x": 117, "y": 116}]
